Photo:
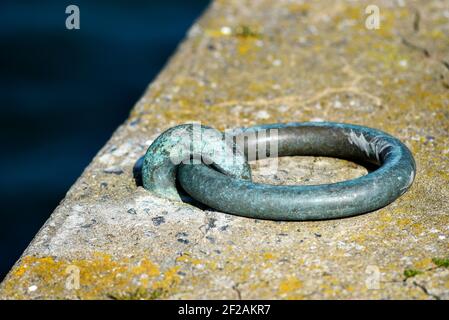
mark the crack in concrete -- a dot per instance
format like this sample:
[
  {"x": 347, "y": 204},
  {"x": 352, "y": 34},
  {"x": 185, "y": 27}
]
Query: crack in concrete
[
  {"x": 237, "y": 290},
  {"x": 445, "y": 63},
  {"x": 428, "y": 55},
  {"x": 416, "y": 21},
  {"x": 426, "y": 291},
  {"x": 303, "y": 101},
  {"x": 413, "y": 46},
  {"x": 350, "y": 87}
]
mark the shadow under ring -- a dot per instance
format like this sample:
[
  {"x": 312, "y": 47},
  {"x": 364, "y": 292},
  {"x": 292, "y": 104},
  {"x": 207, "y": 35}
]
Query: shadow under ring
[{"x": 394, "y": 174}]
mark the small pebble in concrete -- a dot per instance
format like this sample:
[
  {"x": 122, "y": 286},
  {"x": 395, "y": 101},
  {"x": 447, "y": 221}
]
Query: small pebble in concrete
[
  {"x": 32, "y": 288},
  {"x": 211, "y": 223},
  {"x": 113, "y": 170},
  {"x": 182, "y": 237},
  {"x": 158, "y": 220}
]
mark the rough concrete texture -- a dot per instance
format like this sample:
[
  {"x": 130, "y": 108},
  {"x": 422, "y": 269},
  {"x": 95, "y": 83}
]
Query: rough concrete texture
[{"x": 252, "y": 62}]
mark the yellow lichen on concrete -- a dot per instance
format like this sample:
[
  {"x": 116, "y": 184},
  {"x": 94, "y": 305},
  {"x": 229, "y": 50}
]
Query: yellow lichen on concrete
[{"x": 99, "y": 276}]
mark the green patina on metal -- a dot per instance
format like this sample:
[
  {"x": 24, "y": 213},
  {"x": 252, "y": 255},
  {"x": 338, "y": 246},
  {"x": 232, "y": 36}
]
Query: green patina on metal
[
  {"x": 228, "y": 188},
  {"x": 192, "y": 143}
]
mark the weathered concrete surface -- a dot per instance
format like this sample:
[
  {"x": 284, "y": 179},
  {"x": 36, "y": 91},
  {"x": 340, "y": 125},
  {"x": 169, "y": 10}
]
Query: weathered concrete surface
[{"x": 260, "y": 62}]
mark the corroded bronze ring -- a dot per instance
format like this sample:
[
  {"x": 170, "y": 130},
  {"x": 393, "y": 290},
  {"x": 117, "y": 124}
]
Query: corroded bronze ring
[{"x": 229, "y": 193}]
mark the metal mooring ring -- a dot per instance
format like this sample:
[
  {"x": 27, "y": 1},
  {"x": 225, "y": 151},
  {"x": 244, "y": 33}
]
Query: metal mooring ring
[{"x": 227, "y": 193}]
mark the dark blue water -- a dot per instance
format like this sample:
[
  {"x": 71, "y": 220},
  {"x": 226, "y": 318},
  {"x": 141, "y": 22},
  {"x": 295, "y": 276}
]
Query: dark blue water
[{"x": 63, "y": 92}]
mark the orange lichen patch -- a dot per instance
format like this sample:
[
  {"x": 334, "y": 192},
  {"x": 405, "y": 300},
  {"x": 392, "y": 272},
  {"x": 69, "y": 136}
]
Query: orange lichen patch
[
  {"x": 417, "y": 228},
  {"x": 22, "y": 268},
  {"x": 403, "y": 223},
  {"x": 290, "y": 285},
  {"x": 423, "y": 264},
  {"x": 169, "y": 280},
  {"x": 268, "y": 256},
  {"x": 146, "y": 267},
  {"x": 330, "y": 286},
  {"x": 214, "y": 33},
  {"x": 298, "y": 8},
  {"x": 245, "y": 45},
  {"x": 351, "y": 12},
  {"x": 101, "y": 276}
]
